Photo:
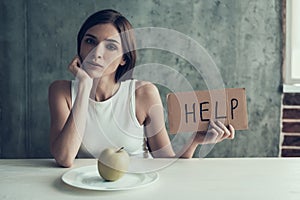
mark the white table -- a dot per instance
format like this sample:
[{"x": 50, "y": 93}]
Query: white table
[{"x": 238, "y": 178}]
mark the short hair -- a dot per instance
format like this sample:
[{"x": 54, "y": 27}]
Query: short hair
[{"x": 127, "y": 38}]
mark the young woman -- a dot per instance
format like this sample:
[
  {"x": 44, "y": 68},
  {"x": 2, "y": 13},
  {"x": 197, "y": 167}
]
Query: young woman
[{"x": 105, "y": 107}]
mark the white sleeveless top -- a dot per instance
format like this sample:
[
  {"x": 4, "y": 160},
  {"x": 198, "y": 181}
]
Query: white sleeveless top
[{"x": 113, "y": 123}]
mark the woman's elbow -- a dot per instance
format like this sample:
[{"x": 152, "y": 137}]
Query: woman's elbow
[{"x": 63, "y": 161}]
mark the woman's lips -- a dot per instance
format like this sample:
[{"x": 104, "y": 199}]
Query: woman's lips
[{"x": 94, "y": 64}]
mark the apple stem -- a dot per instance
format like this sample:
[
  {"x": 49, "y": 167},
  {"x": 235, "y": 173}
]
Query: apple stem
[{"x": 120, "y": 149}]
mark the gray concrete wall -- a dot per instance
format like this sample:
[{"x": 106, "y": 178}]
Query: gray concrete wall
[{"x": 38, "y": 39}]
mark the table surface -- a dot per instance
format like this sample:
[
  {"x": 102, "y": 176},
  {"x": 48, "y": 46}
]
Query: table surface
[{"x": 209, "y": 178}]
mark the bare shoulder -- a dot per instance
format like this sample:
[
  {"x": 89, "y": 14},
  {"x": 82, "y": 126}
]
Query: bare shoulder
[
  {"x": 59, "y": 86},
  {"x": 60, "y": 90},
  {"x": 146, "y": 90}
]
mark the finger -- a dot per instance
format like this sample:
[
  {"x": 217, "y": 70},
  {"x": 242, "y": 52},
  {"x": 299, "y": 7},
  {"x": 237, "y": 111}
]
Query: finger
[
  {"x": 220, "y": 136},
  {"x": 232, "y": 131},
  {"x": 212, "y": 136},
  {"x": 216, "y": 127},
  {"x": 224, "y": 128},
  {"x": 74, "y": 65},
  {"x": 77, "y": 58}
]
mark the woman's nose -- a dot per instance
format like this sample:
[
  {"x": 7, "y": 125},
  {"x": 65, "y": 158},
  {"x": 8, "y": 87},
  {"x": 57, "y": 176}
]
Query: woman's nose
[{"x": 98, "y": 51}]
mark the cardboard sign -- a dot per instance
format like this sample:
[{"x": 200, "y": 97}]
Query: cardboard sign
[{"x": 192, "y": 111}]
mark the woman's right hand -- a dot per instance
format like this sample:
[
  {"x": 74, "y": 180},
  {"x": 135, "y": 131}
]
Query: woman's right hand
[{"x": 75, "y": 67}]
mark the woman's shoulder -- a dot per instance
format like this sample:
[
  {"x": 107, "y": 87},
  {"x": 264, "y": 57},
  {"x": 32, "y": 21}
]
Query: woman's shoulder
[
  {"x": 60, "y": 88},
  {"x": 145, "y": 88},
  {"x": 60, "y": 85},
  {"x": 147, "y": 93}
]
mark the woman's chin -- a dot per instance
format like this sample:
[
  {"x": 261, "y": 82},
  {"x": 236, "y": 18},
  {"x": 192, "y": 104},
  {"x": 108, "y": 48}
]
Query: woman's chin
[
  {"x": 95, "y": 75},
  {"x": 94, "y": 72}
]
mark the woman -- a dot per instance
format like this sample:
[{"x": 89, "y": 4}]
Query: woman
[{"x": 104, "y": 106}]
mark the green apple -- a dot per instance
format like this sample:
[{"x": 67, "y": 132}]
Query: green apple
[{"x": 113, "y": 163}]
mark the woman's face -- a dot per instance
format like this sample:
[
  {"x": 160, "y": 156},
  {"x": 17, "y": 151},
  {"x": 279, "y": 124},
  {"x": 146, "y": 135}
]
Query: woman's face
[{"x": 101, "y": 51}]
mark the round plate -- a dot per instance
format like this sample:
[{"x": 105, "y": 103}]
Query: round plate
[{"x": 89, "y": 178}]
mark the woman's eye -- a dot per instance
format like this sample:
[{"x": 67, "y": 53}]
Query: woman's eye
[
  {"x": 90, "y": 41},
  {"x": 111, "y": 47}
]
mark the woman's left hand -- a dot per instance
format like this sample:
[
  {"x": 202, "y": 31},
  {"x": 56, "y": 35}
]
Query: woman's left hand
[{"x": 216, "y": 132}]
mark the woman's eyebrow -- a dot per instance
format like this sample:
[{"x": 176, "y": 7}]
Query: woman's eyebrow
[
  {"x": 112, "y": 40},
  {"x": 90, "y": 35}
]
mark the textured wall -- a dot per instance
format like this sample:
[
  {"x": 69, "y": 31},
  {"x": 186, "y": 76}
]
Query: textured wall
[{"x": 243, "y": 37}]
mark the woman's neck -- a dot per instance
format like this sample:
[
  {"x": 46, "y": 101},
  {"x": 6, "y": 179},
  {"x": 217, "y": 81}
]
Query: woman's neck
[{"x": 104, "y": 88}]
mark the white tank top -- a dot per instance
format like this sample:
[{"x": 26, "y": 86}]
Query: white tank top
[{"x": 113, "y": 123}]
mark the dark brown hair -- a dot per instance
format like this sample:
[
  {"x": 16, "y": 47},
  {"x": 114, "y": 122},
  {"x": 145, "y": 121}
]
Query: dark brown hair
[{"x": 127, "y": 37}]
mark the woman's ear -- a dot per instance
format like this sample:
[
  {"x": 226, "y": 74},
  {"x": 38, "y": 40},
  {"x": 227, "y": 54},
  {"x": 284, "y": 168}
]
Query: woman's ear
[{"x": 123, "y": 62}]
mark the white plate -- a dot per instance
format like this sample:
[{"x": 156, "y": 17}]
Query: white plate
[{"x": 89, "y": 178}]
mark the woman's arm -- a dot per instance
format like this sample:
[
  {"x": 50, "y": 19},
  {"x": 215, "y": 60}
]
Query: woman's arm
[
  {"x": 67, "y": 122},
  {"x": 149, "y": 111}
]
